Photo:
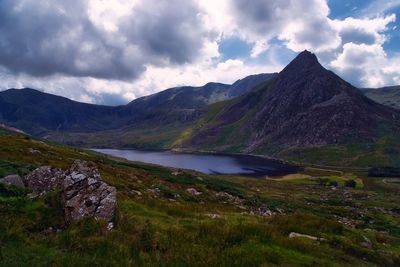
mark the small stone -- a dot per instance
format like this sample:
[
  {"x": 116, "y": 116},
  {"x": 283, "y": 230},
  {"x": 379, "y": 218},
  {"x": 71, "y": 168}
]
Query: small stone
[
  {"x": 14, "y": 180},
  {"x": 34, "y": 151},
  {"x": 136, "y": 179},
  {"x": 193, "y": 192},
  {"x": 366, "y": 242},
  {"x": 214, "y": 216},
  {"x": 263, "y": 211},
  {"x": 296, "y": 235},
  {"x": 110, "y": 226},
  {"x": 136, "y": 192}
]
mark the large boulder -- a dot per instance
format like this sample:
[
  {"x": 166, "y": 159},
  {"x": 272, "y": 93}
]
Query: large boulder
[
  {"x": 45, "y": 179},
  {"x": 85, "y": 195},
  {"x": 14, "y": 180}
]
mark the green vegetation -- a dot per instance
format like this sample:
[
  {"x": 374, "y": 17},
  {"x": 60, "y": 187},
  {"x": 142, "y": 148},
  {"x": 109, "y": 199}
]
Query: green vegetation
[
  {"x": 159, "y": 223},
  {"x": 385, "y": 152}
]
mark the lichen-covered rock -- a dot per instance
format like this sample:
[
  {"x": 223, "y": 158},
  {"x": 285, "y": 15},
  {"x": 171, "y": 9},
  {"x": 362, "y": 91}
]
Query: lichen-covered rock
[
  {"x": 85, "y": 195},
  {"x": 14, "y": 180},
  {"x": 45, "y": 179}
]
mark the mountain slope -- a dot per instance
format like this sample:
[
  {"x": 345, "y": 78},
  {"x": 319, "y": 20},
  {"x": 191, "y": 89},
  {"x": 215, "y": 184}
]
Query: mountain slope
[
  {"x": 182, "y": 218},
  {"x": 304, "y": 106},
  {"x": 185, "y": 103},
  {"x": 389, "y": 96},
  {"x": 40, "y": 114},
  {"x": 36, "y": 112},
  {"x": 243, "y": 86}
]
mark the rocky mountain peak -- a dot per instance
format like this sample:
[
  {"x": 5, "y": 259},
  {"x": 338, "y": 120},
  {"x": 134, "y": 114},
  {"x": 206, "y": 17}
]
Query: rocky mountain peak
[
  {"x": 305, "y": 63},
  {"x": 305, "y": 105}
]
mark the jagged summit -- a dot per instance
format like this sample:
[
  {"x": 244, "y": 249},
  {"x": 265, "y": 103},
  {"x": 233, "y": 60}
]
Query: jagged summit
[
  {"x": 305, "y": 105},
  {"x": 307, "y": 54},
  {"x": 305, "y": 62}
]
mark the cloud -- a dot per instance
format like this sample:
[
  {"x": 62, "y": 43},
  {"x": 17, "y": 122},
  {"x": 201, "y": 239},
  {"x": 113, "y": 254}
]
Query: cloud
[
  {"x": 367, "y": 65},
  {"x": 367, "y": 30},
  {"x": 76, "y": 38},
  {"x": 294, "y": 22},
  {"x": 361, "y": 58},
  {"x": 113, "y": 51}
]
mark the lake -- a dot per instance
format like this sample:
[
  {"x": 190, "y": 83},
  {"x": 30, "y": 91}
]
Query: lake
[{"x": 207, "y": 163}]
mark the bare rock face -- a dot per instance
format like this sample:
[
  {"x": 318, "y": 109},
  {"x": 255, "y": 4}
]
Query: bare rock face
[
  {"x": 44, "y": 179},
  {"x": 85, "y": 195},
  {"x": 14, "y": 180}
]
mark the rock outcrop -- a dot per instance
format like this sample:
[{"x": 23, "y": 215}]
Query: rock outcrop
[
  {"x": 14, "y": 180},
  {"x": 85, "y": 195},
  {"x": 45, "y": 179}
]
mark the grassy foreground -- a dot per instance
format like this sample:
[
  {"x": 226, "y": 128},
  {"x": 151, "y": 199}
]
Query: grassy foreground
[{"x": 160, "y": 223}]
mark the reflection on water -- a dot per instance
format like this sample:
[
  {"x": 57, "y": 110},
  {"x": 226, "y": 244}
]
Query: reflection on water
[{"x": 206, "y": 163}]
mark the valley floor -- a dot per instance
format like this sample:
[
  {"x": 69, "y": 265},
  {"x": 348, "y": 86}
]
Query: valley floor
[{"x": 171, "y": 217}]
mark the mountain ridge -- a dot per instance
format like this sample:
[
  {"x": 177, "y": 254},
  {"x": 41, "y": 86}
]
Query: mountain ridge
[
  {"x": 305, "y": 105},
  {"x": 39, "y": 113}
]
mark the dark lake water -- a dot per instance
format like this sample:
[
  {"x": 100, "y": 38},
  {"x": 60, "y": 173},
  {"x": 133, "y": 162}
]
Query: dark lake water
[{"x": 207, "y": 163}]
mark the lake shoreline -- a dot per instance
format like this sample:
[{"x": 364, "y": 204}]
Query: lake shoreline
[{"x": 206, "y": 162}]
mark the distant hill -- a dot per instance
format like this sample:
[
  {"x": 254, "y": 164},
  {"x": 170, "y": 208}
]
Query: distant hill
[
  {"x": 245, "y": 85},
  {"x": 389, "y": 96},
  {"x": 42, "y": 114},
  {"x": 36, "y": 112}
]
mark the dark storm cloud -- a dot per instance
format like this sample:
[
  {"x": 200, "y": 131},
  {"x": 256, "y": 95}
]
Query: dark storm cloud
[
  {"x": 302, "y": 24},
  {"x": 47, "y": 37},
  {"x": 166, "y": 32},
  {"x": 261, "y": 16}
]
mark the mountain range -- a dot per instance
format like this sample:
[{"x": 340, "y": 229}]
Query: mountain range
[
  {"x": 389, "y": 96},
  {"x": 296, "y": 114},
  {"x": 39, "y": 113}
]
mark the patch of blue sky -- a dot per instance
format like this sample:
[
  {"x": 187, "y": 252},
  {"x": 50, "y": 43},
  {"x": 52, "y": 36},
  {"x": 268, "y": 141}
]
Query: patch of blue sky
[
  {"x": 234, "y": 48},
  {"x": 277, "y": 54},
  {"x": 393, "y": 44},
  {"x": 340, "y": 9}
]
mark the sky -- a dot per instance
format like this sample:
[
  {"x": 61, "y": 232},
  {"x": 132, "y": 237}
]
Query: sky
[{"x": 111, "y": 52}]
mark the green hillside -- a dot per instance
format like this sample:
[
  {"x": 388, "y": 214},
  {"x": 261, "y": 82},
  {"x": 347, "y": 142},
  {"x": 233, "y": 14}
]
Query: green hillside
[{"x": 235, "y": 221}]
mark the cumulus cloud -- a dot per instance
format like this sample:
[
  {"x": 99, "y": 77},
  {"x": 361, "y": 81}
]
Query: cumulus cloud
[
  {"x": 361, "y": 58},
  {"x": 294, "y": 22},
  {"x": 367, "y": 65},
  {"x": 363, "y": 31},
  {"x": 42, "y": 38}
]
